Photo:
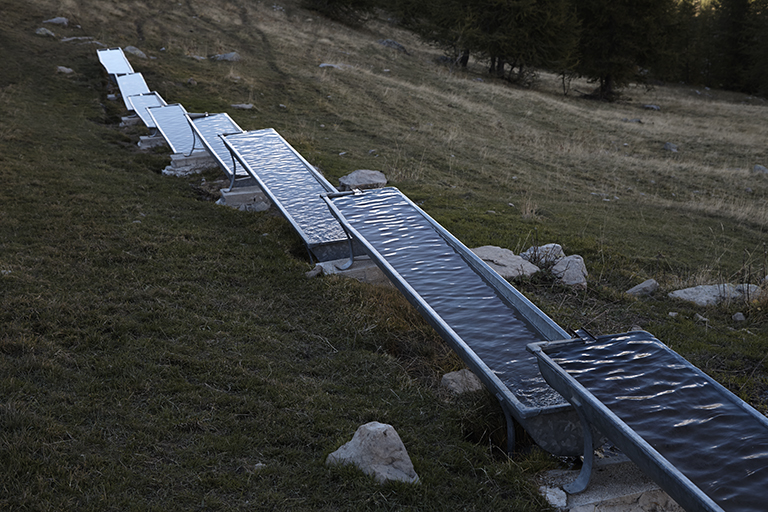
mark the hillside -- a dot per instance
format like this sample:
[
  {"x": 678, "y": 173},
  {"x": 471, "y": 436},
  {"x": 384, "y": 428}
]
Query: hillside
[{"x": 156, "y": 348}]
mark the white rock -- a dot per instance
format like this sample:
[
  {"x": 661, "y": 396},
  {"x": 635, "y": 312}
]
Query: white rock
[
  {"x": 544, "y": 255},
  {"x": 64, "y": 70},
  {"x": 228, "y": 57},
  {"x": 670, "y": 147},
  {"x": 738, "y": 317},
  {"x": 42, "y": 31},
  {"x": 571, "y": 271},
  {"x": 712, "y": 294},
  {"x": 377, "y": 450},
  {"x": 242, "y": 106},
  {"x": 760, "y": 169},
  {"x": 644, "y": 288},
  {"x": 60, "y": 20},
  {"x": 363, "y": 179},
  {"x": 462, "y": 381},
  {"x": 505, "y": 262},
  {"x": 555, "y": 496},
  {"x": 135, "y": 52}
]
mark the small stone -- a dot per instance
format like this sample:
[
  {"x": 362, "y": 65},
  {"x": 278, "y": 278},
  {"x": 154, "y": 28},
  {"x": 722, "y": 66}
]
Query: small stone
[
  {"x": 44, "y": 32},
  {"x": 544, "y": 255},
  {"x": 760, "y": 169},
  {"x": 192, "y": 81},
  {"x": 242, "y": 106},
  {"x": 571, "y": 271},
  {"x": 668, "y": 146},
  {"x": 135, "y": 52},
  {"x": 227, "y": 57},
  {"x": 462, "y": 381},
  {"x": 555, "y": 497},
  {"x": 652, "y": 107},
  {"x": 282, "y": 106},
  {"x": 738, "y": 317},
  {"x": 505, "y": 262},
  {"x": 644, "y": 288},
  {"x": 389, "y": 43},
  {"x": 315, "y": 272},
  {"x": 259, "y": 466},
  {"x": 378, "y": 451},
  {"x": 60, "y": 20},
  {"x": 64, "y": 70},
  {"x": 362, "y": 179},
  {"x": 673, "y": 314}
]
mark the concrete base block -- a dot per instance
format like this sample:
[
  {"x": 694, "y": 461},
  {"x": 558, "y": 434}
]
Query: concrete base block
[
  {"x": 363, "y": 269},
  {"x": 184, "y": 165},
  {"x": 151, "y": 141},
  {"x": 617, "y": 485},
  {"x": 130, "y": 121},
  {"x": 250, "y": 199}
]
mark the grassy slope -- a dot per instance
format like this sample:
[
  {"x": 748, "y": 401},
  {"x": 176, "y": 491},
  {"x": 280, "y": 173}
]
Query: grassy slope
[{"x": 155, "y": 347}]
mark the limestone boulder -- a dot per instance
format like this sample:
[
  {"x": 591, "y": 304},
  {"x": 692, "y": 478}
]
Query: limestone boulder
[
  {"x": 132, "y": 50},
  {"x": 462, "y": 381},
  {"x": 713, "y": 294},
  {"x": 506, "y": 263},
  {"x": 44, "y": 32},
  {"x": 227, "y": 57},
  {"x": 362, "y": 179},
  {"x": 59, "y": 20},
  {"x": 645, "y": 288},
  {"x": 378, "y": 451},
  {"x": 544, "y": 255},
  {"x": 572, "y": 271}
]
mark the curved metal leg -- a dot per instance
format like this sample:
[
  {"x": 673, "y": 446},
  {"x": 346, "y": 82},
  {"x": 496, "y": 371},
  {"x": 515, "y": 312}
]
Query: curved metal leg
[
  {"x": 582, "y": 480},
  {"x": 351, "y": 261}
]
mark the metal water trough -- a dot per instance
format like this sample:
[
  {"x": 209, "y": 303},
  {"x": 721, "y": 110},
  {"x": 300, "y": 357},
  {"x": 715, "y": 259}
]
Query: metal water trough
[
  {"x": 294, "y": 186},
  {"x": 209, "y": 129},
  {"x": 703, "y": 445},
  {"x": 375, "y": 219},
  {"x": 140, "y": 103},
  {"x": 114, "y": 61},
  {"x": 173, "y": 125},
  {"x": 131, "y": 85}
]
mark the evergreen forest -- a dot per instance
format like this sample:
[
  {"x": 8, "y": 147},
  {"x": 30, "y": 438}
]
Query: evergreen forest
[{"x": 711, "y": 43}]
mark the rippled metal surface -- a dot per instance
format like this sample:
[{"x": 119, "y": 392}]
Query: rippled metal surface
[
  {"x": 114, "y": 61},
  {"x": 291, "y": 182},
  {"x": 706, "y": 432},
  {"x": 140, "y": 103},
  {"x": 131, "y": 85},
  {"x": 175, "y": 128},
  {"x": 208, "y": 128},
  {"x": 491, "y": 327}
]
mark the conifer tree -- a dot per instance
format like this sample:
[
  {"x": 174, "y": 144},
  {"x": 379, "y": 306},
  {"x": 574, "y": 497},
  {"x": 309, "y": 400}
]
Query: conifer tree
[{"x": 622, "y": 40}]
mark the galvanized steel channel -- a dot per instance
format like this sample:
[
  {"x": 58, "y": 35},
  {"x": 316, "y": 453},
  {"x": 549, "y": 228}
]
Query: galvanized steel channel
[
  {"x": 175, "y": 127},
  {"x": 294, "y": 187},
  {"x": 555, "y": 427}
]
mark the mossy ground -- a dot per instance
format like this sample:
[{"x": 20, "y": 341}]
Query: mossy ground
[{"x": 154, "y": 347}]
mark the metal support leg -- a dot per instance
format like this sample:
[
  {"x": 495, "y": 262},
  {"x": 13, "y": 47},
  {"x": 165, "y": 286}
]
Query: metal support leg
[
  {"x": 510, "y": 428},
  {"x": 351, "y": 261},
  {"x": 582, "y": 480}
]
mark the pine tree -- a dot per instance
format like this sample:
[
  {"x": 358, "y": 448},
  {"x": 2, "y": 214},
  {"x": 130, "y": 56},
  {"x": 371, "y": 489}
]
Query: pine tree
[{"x": 622, "y": 40}]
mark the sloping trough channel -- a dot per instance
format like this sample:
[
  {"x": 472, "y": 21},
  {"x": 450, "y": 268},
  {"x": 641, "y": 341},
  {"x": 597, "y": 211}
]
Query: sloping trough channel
[
  {"x": 701, "y": 443},
  {"x": 294, "y": 187},
  {"x": 484, "y": 319}
]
